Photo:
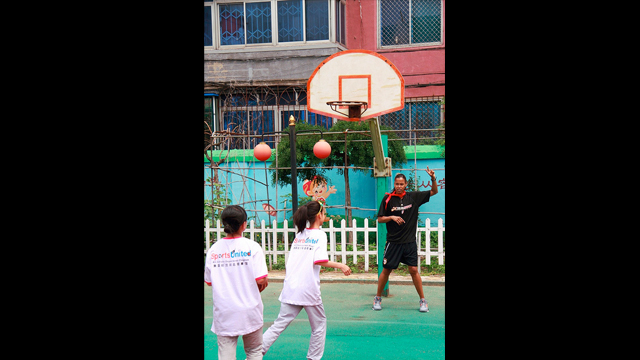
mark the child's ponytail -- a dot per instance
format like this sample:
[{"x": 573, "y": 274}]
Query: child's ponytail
[
  {"x": 307, "y": 212},
  {"x": 233, "y": 216},
  {"x": 300, "y": 218}
]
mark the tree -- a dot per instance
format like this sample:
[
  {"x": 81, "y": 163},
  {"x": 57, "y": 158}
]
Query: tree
[
  {"x": 359, "y": 154},
  {"x": 304, "y": 155},
  {"x": 348, "y": 152},
  {"x": 216, "y": 140}
]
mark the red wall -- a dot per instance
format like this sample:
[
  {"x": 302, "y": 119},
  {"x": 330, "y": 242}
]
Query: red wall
[{"x": 421, "y": 67}]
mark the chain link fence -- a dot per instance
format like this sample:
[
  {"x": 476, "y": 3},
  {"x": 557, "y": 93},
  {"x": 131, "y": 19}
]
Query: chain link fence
[{"x": 410, "y": 22}]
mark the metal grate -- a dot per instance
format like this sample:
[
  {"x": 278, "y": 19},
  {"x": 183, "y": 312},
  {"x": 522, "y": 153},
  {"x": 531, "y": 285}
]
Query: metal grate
[
  {"x": 250, "y": 22},
  {"x": 258, "y": 23},
  {"x": 209, "y": 115},
  {"x": 410, "y": 22},
  {"x": 254, "y": 111},
  {"x": 231, "y": 24},
  {"x": 418, "y": 122},
  {"x": 208, "y": 39},
  {"x": 289, "y": 20},
  {"x": 317, "y": 16},
  {"x": 257, "y": 110}
]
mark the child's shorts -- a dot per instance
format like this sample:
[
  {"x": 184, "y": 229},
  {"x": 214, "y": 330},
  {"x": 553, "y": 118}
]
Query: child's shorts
[{"x": 394, "y": 254}]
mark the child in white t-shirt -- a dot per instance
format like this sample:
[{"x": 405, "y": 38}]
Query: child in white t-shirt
[
  {"x": 236, "y": 270},
  {"x": 301, "y": 287}
]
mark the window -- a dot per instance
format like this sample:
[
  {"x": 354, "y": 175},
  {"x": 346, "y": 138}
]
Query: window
[
  {"x": 290, "y": 21},
  {"x": 209, "y": 118},
  {"x": 418, "y": 121},
  {"x": 208, "y": 39},
  {"x": 255, "y": 111},
  {"x": 340, "y": 22},
  {"x": 255, "y": 22},
  {"x": 317, "y": 16},
  {"x": 306, "y": 117},
  {"x": 410, "y": 22},
  {"x": 258, "y": 22},
  {"x": 232, "y": 24}
]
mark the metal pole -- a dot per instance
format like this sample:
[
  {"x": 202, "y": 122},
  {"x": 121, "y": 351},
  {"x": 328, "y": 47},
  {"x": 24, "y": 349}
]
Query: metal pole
[
  {"x": 382, "y": 185},
  {"x": 294, "y": 173}
]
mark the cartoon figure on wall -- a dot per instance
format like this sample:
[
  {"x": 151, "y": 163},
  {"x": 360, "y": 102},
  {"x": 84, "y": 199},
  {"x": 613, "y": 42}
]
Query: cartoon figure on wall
[{"x": 317, "y": 189}]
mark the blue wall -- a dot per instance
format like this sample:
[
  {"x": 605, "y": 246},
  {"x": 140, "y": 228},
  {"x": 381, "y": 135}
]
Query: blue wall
[{"x": 362, "y": 189}]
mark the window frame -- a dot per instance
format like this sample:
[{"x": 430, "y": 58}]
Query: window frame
[
  {"x": 213, "y": 123},
  {"x": 215, "y": 26},
  {"x": 411, "y": 45}
]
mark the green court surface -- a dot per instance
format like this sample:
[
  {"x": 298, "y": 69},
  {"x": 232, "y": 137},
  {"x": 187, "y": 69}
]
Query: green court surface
[{"x": 354, "y": 331}]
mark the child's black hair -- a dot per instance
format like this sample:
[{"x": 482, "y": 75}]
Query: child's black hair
[
  {"x": 400, "y": 176},
  {"x": 307, "y": 212},
  {"x": 232, "y": 218}
]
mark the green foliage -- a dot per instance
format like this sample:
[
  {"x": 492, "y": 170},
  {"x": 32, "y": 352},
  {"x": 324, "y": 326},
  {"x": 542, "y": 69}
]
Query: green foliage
[
  {"x": 208, "y": 211},
  {"x": 214, "y": 207},
  {"x": 302, "y": 200},
  {"x": 218, "y": 202},
  {"x": 304, "y": 155},
  {"x": 360, "y": 154}
]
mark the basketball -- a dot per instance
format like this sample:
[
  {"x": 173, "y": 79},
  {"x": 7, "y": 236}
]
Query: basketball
[
  {"x": 262, "y": 151},
  {"x": 322, "y": 149}
]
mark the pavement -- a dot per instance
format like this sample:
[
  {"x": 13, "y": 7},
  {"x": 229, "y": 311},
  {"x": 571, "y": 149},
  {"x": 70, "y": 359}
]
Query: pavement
[
  {"x": 336, "y": 276},
  {"x": 354, "y": 330}
]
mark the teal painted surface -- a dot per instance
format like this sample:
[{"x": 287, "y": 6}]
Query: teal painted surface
[
  {"x": 354, "y": 331},
  {"x": 363, "y": 187},
  {"x": 420, "y": 152}
]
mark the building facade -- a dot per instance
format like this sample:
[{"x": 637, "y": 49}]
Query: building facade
[{"x": 259, "y": 54}]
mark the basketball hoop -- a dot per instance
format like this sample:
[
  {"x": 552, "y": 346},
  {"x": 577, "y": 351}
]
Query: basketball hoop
[
  {"x": 357, "y": 80},
  {"x": 355, "y": 108}
]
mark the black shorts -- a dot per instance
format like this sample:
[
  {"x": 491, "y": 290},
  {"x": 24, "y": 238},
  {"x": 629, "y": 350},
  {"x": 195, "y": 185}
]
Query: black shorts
[{"x": 394, "y": 254}]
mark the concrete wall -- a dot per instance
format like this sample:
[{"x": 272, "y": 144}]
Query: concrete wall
[{"x": 269, "y": 68}]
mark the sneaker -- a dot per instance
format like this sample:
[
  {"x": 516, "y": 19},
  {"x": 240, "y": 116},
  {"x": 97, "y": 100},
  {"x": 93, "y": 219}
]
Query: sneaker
[
  {"x": 376, "y": 303},
  {"x": 424, "y": 306}
]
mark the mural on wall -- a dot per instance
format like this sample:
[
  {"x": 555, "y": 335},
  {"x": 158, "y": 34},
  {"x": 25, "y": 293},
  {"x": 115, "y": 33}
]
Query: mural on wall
[
  {"x": 270, "y": 209},
  {"x": 317, "y": 189},
  {"x": 428, "y": 186}
]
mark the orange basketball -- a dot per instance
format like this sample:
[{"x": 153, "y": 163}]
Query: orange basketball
[
  {"x": 262, "y": 151},
  {"x": 322, "y": 149}
]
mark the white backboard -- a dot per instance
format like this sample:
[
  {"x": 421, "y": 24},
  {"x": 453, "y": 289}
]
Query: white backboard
[{"x": 356, "y": 75}]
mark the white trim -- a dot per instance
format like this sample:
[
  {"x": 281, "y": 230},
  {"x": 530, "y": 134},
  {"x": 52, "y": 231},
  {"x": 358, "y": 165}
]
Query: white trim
[
  {"x": 275, "y": 44},
  {"x": 281, "y": 47}
]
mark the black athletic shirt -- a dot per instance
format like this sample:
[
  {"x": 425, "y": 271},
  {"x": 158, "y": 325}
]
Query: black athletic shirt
[{"x": 406, "y": 208}]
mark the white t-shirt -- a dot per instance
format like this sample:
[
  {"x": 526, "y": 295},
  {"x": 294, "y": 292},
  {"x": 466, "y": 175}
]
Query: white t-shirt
[
  {"x": 302, "y": 280},
  {"x": 232, "y": 267}
]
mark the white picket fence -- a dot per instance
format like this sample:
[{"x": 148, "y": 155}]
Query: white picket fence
[{"x": 268, "y": 234}]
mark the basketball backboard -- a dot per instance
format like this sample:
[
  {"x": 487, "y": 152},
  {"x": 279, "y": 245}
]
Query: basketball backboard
[{"x": 355, "y": 76}]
